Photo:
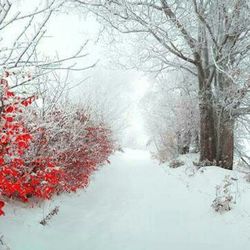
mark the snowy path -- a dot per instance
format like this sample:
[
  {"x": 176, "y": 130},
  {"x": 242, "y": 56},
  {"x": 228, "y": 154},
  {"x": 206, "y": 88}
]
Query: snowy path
[{"x": 133, "y": 204}]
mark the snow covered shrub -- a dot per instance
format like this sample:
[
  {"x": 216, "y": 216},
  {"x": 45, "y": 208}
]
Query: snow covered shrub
[
  {"x": 21, "y": 177},
  {"x": 224, "y": 196},
  {"x": 176, "y": 163},
  {"x": 46, "y": 153},
  {"x": 72, "y": 142},
  {"x": 78, "y": 162},
  {"x": 165, "y": 144},
  {"x": 14, "y": 141}
]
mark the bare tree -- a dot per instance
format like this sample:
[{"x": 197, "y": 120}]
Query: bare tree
[
  {"x": 208, "y": 38},
  {"x": 21, "y": 34}
]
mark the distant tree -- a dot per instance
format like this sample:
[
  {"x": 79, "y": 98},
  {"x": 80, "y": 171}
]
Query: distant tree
[{"x": 171, "y": 112}]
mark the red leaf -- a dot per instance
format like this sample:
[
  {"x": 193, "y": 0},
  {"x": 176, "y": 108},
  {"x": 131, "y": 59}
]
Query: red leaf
[
  {"x": 9, "y": 119},
  {"x": 1, "y": 161},
  {"x": 10, "y": 94},
  {"x": 9, "y": 109},
  {"x": 2, "y": 204}
]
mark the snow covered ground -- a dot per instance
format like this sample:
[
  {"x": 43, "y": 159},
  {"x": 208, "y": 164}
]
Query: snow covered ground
[{"x": 135, "y": 204}]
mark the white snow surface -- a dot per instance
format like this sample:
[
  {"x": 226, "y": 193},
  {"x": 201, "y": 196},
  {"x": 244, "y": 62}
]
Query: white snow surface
[{"x": 136, "y": 204}]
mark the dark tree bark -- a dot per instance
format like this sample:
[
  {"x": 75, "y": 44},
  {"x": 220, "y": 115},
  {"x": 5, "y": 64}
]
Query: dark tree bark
[
  {"x": 225, "y": 141},
  {"x": 206, "y": 106},
  {"x": 216, "y": 131},
  {"x": 196, "y": 142},
  {"x": 207, "y": 133}
]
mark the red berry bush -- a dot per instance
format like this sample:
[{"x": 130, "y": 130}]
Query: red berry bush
[{"x": 47, "y": 153}]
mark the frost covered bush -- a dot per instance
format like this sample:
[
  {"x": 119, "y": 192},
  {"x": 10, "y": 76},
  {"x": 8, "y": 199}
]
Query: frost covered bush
[
  {"x": 224, "y": 196},
  {"x": 165, "y": 144},
  {"x": 15, "y": 180},
  {"x": 176, "y": 163},
  {"x": 72, "y": 141},
  {"x": 46, "y": 153}
]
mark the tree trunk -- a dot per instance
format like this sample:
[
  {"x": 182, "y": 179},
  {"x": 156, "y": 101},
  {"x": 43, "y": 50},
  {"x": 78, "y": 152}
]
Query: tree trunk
[
  {"x": 225, "y": 141},
  {"x": 216, "y": 137},
  {"x": 225, "y": 124},
  {"x": 206, "y": 107},
  {"x": 196, "y": 142},
  {"x": 207, "y": 133}
]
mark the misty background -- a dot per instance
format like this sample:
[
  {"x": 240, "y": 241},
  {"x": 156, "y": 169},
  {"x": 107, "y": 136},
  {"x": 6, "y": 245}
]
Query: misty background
[{"x": 117, "y": 90}]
